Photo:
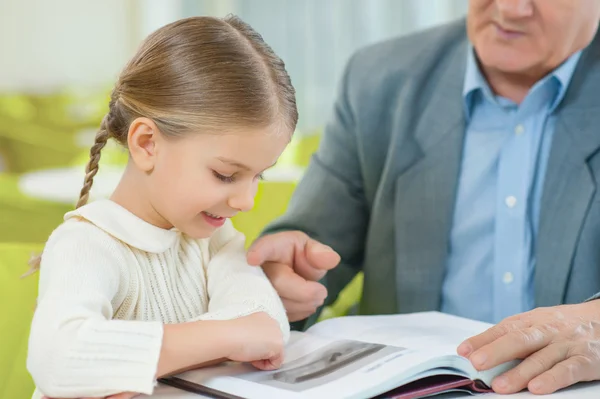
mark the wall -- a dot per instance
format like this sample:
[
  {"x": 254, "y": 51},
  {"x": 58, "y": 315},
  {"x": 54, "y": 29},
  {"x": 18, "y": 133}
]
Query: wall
[{"x": 45, "y": 44}]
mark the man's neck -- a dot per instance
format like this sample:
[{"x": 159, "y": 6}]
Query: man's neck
[{"x": 512, "y": 86}]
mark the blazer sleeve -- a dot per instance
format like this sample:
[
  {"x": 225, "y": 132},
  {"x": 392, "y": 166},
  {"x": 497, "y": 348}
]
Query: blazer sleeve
[{"x": 594, "y": 297}]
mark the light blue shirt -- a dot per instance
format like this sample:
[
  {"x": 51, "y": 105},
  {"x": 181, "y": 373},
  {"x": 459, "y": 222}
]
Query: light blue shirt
[{"x": 489, "y": 272}]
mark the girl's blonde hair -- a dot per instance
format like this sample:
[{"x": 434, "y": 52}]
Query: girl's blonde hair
[{"x": 196, "y": 74}]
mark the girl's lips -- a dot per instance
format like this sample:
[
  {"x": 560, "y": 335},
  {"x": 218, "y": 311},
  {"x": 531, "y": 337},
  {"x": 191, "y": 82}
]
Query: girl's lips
[{"x": 214, "y": 221}]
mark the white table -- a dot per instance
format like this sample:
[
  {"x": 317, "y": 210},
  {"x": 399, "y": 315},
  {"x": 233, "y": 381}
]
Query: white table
[
  {"x": 580, "y": 391},
  {"x": 64, "y": 184}
]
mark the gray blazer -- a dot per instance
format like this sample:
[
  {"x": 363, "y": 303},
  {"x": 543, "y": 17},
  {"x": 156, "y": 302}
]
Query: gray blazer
[{"x": 381, "y": 188}]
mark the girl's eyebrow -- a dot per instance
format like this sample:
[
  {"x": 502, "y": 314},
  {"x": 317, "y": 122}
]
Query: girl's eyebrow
[{"x": 239, "y": 165}]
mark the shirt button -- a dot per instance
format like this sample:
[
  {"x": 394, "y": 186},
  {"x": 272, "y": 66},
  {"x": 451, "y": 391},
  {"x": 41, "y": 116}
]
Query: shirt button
[
  {"x": 510, "y": 201},
  {"x": 519, "y": 129},
  {"x": 508, "y": 278}
]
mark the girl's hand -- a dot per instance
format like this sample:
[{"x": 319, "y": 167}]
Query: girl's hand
[
  {"x": 257, "y": 339},
  {"x": 124, "y": 395}
]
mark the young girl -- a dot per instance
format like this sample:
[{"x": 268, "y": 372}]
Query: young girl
[{"x": 154, "y": 280}]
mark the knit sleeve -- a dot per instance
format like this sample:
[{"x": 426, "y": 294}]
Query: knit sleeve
[
  {"x": 235, "y": 288},
  {"x": 75, "y": 349}
]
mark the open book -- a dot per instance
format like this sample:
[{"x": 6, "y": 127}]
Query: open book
[{"x": 397, "y": 356}]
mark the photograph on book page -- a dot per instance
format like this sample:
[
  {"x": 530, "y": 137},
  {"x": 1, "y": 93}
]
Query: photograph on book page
[{"x": 329, "y": 363}]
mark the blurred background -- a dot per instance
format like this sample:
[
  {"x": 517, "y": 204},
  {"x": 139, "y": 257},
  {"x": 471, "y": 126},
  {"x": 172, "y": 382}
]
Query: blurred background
[{"x": 58, "y": 62}]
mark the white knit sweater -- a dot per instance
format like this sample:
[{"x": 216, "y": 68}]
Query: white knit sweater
[{"x": 109, "y": 281}]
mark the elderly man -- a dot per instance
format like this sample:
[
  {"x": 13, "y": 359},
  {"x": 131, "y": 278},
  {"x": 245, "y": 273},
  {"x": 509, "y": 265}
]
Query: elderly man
[{"x": 460, "y": 173}]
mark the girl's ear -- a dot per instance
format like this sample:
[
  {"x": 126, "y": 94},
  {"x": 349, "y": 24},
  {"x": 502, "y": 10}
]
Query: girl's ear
[{"x": 142, "y": 141}]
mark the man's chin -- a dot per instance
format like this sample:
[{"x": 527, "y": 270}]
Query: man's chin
[{"x": 507, "y": 62}]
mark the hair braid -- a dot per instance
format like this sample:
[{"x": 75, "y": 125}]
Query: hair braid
[{"x": 92, "y": 166}]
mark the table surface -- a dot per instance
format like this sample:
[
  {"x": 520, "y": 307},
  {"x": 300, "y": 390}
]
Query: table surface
[
  {"x": 63, "y": 184},
  {"x": 580, "y": 391}
]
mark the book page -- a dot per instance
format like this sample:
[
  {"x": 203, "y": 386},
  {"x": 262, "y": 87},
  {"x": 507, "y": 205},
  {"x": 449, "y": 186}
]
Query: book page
[
  {"x": 324, "y": 368},
  {"x": 351, "y": 357},
  {"x": 415, "y": 331}
]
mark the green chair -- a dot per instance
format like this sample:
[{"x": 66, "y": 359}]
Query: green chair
[
  {"x": 41, "y": 131},
  {"x": 25, "y": 219},
  {"x": 301, "y": 149},
  {"x": 347, "y": 301},
  {"x": 270, "y": 202},
  {"x": 17, "y": 302},
  {"x": 32, "y": 146}
]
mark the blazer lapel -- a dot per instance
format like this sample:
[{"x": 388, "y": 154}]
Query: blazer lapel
[
  {"x": 569, "y": 186},
  {"x": 425, "y": 193}
]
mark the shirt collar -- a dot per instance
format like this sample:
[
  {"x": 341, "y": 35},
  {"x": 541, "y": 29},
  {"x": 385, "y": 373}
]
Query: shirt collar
[
  {"x": 475, "y": 81},
  {"x": 564, "y": 74},
  {"x": 125, "y": 226}
]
